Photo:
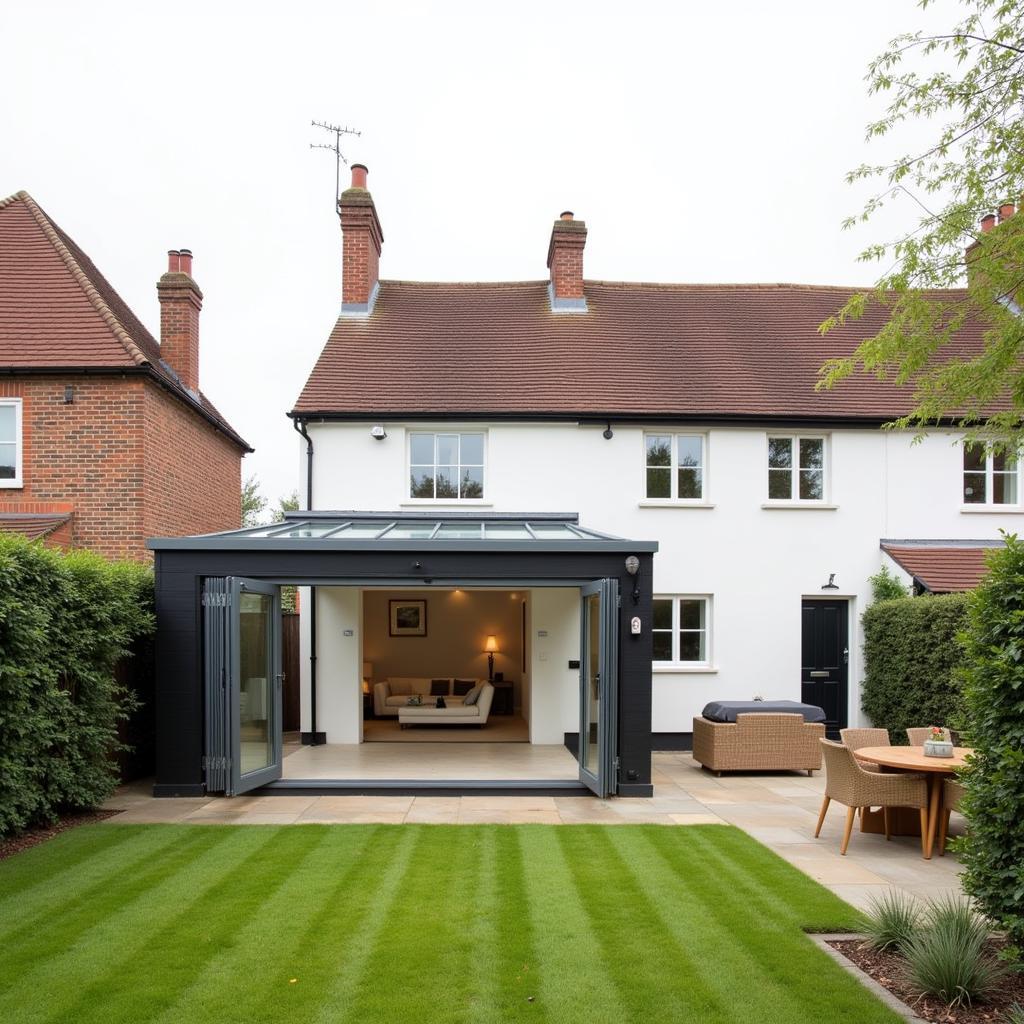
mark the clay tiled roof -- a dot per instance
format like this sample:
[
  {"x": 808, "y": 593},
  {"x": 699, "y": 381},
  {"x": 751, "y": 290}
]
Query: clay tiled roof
[
  {"x": 58, "y": 312},
  {"x": 643, "y": 349},
  {"x": 942, "y": 569},
  {"x": 32, "y": 526}
]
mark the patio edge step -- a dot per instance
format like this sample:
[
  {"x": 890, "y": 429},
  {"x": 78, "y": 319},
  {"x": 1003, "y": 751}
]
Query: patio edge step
[{"x": 420, "y": 787}]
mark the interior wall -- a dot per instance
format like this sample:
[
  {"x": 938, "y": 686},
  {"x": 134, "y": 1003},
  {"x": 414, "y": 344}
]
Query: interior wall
[
  {"x": 458, "y": 624},
  {"x": 339, "y": 683},
  {"x": 554, "y": 619}
]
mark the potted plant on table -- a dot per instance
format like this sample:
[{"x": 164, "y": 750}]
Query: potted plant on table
[{"x": 938, "y": 743}]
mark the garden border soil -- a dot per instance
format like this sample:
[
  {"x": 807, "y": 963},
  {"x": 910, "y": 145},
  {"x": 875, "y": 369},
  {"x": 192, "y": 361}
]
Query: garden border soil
[{"x": 34, "y": 836}]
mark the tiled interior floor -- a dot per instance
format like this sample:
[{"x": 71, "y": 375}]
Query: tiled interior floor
[{"x": 778, "y": 809}]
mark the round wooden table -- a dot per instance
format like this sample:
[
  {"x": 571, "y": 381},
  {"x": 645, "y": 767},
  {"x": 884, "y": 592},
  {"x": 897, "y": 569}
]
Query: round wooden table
[{"x": 914, "y": 759}]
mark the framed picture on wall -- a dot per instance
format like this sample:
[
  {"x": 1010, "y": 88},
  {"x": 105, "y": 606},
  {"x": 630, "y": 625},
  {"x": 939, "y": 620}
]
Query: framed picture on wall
[{"x": 407, "y": 618}]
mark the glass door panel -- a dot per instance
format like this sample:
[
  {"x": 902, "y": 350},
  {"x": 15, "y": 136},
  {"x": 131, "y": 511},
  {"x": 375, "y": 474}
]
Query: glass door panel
[
  {"x": 256, "y": 681},
  {"x": 599, "y": 686}
]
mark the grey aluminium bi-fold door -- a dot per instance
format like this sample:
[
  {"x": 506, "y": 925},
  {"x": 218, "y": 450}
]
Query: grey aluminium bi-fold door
[
  {"x": 242, "y": 646},
  {"x": 599, "y": 671}
]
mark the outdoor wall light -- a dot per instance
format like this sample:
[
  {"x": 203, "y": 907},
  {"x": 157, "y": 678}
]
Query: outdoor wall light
[
  {"x": 490, "y": 649},
  {"x": 377, "y": 432},
  {"x": 831, "y": 585},
  {"x": 608, "y": 433},
  {"x": 633, "y": 568},
  {"x": 69, "y": 394}
]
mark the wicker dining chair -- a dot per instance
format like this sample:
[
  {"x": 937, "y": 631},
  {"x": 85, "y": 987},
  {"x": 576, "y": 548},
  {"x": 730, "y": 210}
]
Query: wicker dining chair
[
  {"x": 952, "y": 792},
  {"x": 919, "y": 734},
  {"x": 857, "y": 738},
  {"x": 848, "y": 783}
]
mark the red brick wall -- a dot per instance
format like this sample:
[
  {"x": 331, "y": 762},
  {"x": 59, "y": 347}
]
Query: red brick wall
[
  {"x": 193, "y": 473},
  {"x": 132, "y": 461}
]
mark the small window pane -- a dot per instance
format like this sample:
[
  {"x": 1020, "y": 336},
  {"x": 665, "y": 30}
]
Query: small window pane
[
  {"x": 447, "y": 482},
  {"x": 1004, "y": 488},
  {"x": 8, "y": 424},
  {"x": 780, "y": 483},
  {"x": 8, "y": 461},
  {"x": 422, "y": 482},
  {"x": 691, "y": 614},
  {"x": 974, "y": 458},
  {"x": 659, "y": 483},
  {"x": 811, "y": 484},
  {"x": 691, "y": 646},
  {"x": 659, "y": 451},
  {"x": 661, "y": 613},
  {"x": 690, "y": 483},
  {"x": 447, "y": 449},
  {"x": 1003, "y": 463},
  {"x": 472, "y": 449},
  {"x": 812, "y": 453},
  {"x": 472, "y": 483},
  {"x": 661, "y": 645},
  {"x": 421, "y": 449},
  {"x": 974, "y": 488},
  {"x": 690, "y": 450},
  {"x": 780, "y": 452}
]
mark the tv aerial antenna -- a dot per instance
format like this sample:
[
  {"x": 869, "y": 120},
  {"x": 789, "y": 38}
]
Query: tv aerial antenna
[{"x": 339, "y": 158}]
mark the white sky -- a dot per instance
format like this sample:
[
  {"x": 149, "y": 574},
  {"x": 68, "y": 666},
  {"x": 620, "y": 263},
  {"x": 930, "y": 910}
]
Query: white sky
[{"x": 700, "y": 142}]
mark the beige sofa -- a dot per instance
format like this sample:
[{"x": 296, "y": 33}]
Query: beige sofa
[
  {"x": 390, "y": 696},
  {"x": 758, "y": 742},
  {"x": 453, "y": 713}
]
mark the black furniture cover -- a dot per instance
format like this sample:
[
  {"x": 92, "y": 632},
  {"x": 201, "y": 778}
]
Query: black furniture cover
[{"x": 727, "y": 710}]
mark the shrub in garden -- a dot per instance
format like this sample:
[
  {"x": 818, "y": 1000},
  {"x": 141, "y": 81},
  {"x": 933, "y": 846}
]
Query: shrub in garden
[
  {"x": 891, "y": 920},
  {"x": 65, "y": 622},
  {"x": 913, "y": 660},
  {"x": 993, "y": 850}
]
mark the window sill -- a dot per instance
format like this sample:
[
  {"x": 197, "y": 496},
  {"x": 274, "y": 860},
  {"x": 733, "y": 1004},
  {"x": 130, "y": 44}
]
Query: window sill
[
  {"x": 445, "y": 503},
  {"x": 673, "y": 503},
  {"x": 992, "y": 510},
  {"x": 804, "y": 506},
  {"x": 684, "y": 669},
  {"x": 11, "y": 484}
]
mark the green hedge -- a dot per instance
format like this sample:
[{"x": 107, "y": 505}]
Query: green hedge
[
  {"x": 66, "y": 620},
  {"x": 993, "y": 849},
  {"x": 913, "y": 663}
]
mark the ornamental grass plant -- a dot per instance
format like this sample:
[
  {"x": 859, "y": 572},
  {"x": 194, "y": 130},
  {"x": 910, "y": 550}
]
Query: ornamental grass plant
[{"x": 891, "y": 921}]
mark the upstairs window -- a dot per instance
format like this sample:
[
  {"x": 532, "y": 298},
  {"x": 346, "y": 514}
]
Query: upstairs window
[
  {"x": 990, "y": 479},
  {"x": 447, "y": 467},
  {"x": 675, "y": 466},
  {"x": 10, "y": 442},
  {"x": 796, "y": 468},
  {"x": 680, "y": 631}
]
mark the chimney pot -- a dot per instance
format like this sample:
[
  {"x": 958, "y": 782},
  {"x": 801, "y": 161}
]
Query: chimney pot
[
  {"x": 186, "y": 261},
  {"x": 988, "y": 222},
  {"x": 1006, "y": 211},
  {"x": 173, "y": 261},
  {"x": 566, "y": 215},
  {"x": 359, "y": 173}
]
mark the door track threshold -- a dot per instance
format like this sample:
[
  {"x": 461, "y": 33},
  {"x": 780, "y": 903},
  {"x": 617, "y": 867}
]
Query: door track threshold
[{"x": 424, "y": 787}]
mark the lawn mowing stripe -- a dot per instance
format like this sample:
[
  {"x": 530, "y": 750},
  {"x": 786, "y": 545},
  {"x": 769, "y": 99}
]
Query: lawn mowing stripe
[
  {"x": 306, "y": 908},
  {"x": 77, "y": 907},
  {"x": 419, "y": 962},
  {"x": 150, "y": 981},
  {"x": 118, "y": 935},
  {"x": 572, "y": 983},
  {"x": 336, "y": 966},
  {"x": 505, "y": 967},
  {"x": 645, "y": 986},
  {"x": 759, "y": 957}
]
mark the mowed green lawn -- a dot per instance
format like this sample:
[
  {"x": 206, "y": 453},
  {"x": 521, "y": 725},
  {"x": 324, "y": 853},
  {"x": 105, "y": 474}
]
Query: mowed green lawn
[{"x": 416, "y": 924}]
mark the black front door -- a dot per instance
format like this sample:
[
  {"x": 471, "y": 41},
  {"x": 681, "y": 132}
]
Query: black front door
[{"x": 824, "y": 660}]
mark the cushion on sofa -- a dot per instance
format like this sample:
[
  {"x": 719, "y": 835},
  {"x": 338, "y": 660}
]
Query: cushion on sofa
[
  {"x": 439, "y": 687},
  {"x": 727, "y": 710},
  {"x": 473, "y": 696},
  {"x": 462, "y": 686}
]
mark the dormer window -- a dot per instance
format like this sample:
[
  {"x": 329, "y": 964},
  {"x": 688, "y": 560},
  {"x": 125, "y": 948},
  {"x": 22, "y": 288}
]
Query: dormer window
[{"x": 446, "y": 467}]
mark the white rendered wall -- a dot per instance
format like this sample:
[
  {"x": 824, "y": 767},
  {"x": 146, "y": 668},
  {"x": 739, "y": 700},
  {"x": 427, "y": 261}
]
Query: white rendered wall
[
  {"x": 756, "y": 563},
  {"x": 554, "y": 640}
]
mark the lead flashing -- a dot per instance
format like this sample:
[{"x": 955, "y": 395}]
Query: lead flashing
[
  {"x": 566, "y": 305},
  {"x": 360, "y": 310}
]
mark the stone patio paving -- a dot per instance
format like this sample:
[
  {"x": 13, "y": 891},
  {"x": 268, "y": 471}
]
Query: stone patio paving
[{"x": 778, "y": 809}]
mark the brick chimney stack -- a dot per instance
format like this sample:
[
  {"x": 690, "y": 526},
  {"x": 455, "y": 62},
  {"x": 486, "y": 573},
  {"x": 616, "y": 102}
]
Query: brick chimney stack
[
  {"x": 361, "y": 242},
  {"x": 565, "y": 261},
  {"x": 180, "y": 303}
]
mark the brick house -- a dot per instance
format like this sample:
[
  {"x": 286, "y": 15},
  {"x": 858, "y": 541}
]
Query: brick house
[{"x": 105, "y": 436}]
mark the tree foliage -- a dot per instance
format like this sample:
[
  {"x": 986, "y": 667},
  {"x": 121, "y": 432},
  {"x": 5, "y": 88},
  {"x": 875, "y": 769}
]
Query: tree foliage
[
  {"x": 885, "y": 586},
  {"x": 968, "y": 85},
  {"x": 913, "y": 661},
  {"x": 65, "y": 622},
  {"x": 993, "y": 850},
  {"x": 253, "y": 502}
]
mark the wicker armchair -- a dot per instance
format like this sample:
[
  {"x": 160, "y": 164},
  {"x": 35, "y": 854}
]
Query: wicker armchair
[
  {"x": 847, "y": 783},
  {"x": 857, "y": 738},
  {"x": 952, "y": 792},
  {"x": 758, "y": 741}
]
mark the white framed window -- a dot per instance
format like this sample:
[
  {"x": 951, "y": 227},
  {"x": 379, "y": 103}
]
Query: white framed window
[
  {"x": 675, "y": 466},
  {"x": 797, "y": 467},
  {"x": 990, "y": 479},
  {"x": 10, "y": 442},
  {"x": 446, "y": 466},
  {"x": 681, "y": 630}
]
